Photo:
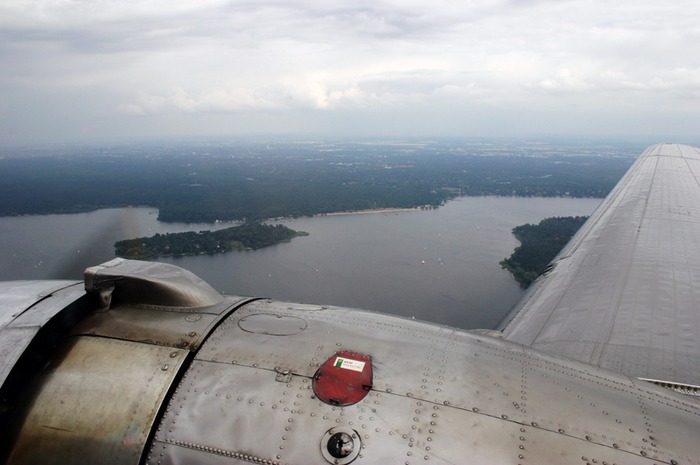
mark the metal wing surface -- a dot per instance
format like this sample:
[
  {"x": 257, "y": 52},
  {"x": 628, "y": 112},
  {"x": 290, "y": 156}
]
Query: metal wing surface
[{"x": 625, "y": 292}]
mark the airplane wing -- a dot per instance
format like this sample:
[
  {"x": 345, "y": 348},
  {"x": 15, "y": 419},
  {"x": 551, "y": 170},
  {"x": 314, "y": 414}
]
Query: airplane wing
[{"x": 625, "y": 292}]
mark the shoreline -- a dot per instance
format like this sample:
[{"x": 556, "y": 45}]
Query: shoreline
[{"x": 372, "y": 211}]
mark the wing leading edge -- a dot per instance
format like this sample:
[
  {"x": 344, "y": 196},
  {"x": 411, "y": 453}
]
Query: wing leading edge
[{"x": 625, "y": 292}]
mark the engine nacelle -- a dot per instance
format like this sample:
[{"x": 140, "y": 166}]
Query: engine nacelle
[{"x": 150, "y": 365}]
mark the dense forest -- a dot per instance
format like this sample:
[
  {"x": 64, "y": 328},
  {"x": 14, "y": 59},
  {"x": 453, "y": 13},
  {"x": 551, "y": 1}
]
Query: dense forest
[
  {"x": 247, "y": 236},
  {"x": 539, "y": 244},
  {"x": 256, "y": 181}
]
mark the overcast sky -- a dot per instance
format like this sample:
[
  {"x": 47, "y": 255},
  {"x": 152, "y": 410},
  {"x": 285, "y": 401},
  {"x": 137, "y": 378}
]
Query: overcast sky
[{"x": 94, "y": 70}]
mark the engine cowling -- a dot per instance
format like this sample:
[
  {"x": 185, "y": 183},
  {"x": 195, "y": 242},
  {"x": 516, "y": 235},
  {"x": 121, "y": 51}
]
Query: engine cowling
[{"x": 148, "y": 364}]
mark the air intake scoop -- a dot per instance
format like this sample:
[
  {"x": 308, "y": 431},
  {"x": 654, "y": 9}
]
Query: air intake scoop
[{"x": 133, "y": 282}]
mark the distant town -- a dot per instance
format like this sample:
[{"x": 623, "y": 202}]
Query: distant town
[
  {"x": 209, "y": 181},
  {"x": 255, "y": 181}
]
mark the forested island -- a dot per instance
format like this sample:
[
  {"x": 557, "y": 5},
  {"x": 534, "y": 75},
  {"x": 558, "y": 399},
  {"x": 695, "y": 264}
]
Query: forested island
[
  {"x": 193, "y": 182},
  {"x": 251, "y": 235},
  {"x": 539, "y": 244}
]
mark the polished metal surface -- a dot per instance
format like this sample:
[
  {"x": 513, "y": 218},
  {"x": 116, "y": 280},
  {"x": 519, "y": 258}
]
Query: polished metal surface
[
  {"x": 141, "y": 308},
  {"x": 95, "y": 397},
  {"x": 20, "y": 327},
  {"x": 156, "y": 325},
  {"x": 91, "y": 406},
  {"x": 341, "y": 445},
  {"x": 148, "y": 283},
  {"x": 440, "y": 396},
  {"x": 17, "y": 296},
  {"x": 625, "y": 293}
]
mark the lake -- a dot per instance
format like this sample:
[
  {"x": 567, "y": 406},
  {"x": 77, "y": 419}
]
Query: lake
[{"x": 436, "y": 265}]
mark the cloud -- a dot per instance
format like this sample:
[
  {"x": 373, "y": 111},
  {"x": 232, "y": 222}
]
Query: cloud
[
  {"x": 120, "y": 60},
  {"x": 132, "y": 109},
  {"x": 209, "y": 100},
  {"x": 566, "y": 80}
]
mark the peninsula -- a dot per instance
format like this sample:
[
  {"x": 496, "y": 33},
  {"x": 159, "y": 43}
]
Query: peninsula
[
  {"x": 251, "y": 235},
  {"x": 539, "y": 244}
]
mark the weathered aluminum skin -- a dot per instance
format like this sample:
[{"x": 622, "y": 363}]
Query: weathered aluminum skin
[
  {"x": 94, "y": 407},
  {"x": 155, "y": 303},
  {"x": 624, "y": 294},
  {"x": 149, "y": 283},
  {"x": 103, "y": 386},
  {"x": 19, "y": 327},
  {"x": 439, "y": 395},
  {"x": 17, "y": 296},
  {"x": 163, "y": 326}
]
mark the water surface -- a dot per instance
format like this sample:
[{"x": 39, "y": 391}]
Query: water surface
[{"x": 436, "y": 265}]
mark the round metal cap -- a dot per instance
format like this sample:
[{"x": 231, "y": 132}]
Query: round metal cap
[{"x": 340, "y": 445}]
